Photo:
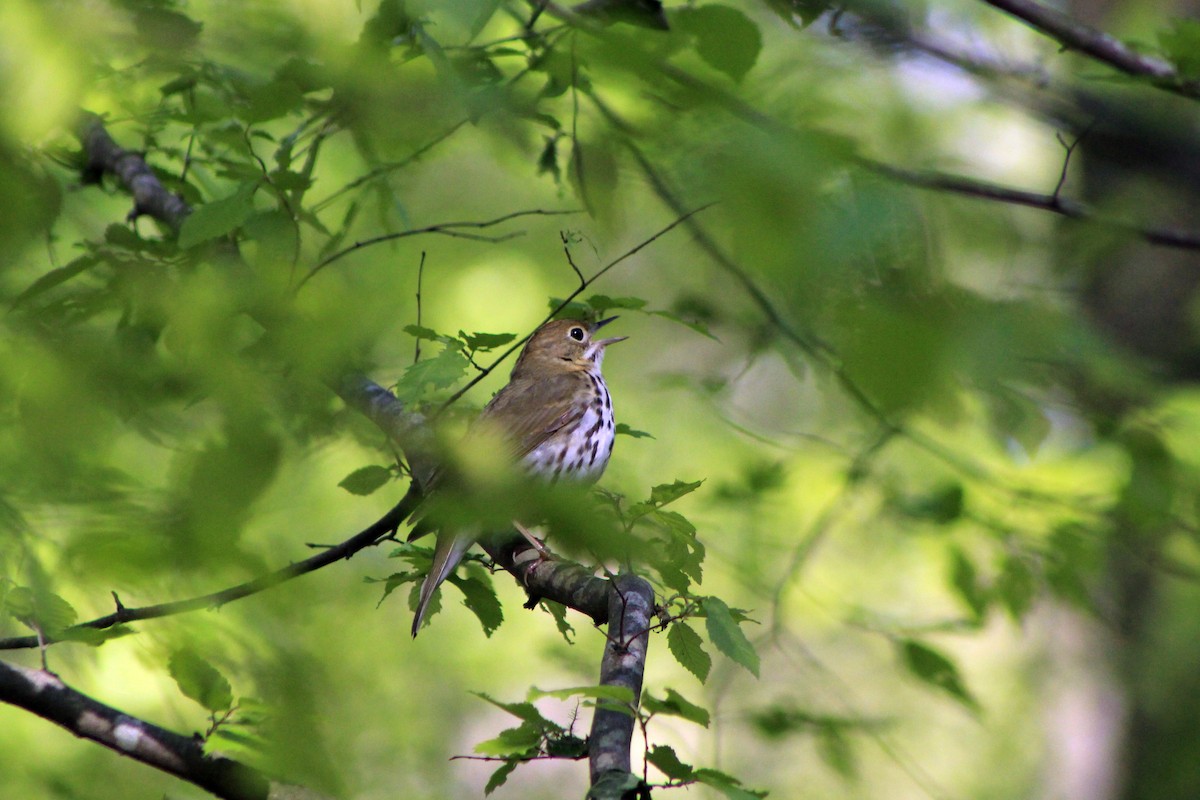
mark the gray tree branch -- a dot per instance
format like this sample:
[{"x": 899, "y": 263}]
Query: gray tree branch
[{"x": 44, "y": 694}]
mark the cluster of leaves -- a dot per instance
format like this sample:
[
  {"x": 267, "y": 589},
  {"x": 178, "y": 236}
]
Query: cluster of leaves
[{"x": 537, "y": 737}]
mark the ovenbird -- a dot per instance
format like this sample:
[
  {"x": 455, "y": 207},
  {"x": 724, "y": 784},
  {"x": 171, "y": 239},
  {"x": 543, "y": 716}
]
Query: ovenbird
[{"x": 555, "y": 417}]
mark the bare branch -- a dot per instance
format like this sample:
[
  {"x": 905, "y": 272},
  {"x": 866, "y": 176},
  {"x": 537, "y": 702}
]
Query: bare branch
[
  {"x": 44, "y": 694},
  {"x": 150, "y": 197},
  {"x": 1075, "y": 35},
  {"x": 444, "y": 228},
  {"x": 1054, "y": 203}
]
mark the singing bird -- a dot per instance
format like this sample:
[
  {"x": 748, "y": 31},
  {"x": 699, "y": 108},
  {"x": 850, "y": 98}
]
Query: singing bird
[{"x": 556, "y": 416}]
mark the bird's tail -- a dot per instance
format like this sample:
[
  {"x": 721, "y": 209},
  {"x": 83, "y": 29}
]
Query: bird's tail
[{"x": 451, "y": 547}]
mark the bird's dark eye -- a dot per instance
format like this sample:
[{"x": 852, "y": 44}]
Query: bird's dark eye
[{"x": 576, "y": 334}]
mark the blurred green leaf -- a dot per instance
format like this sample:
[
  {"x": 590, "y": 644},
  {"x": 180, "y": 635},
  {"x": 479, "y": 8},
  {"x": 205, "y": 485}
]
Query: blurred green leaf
[
  {"x": 1181, "y": 44},
  {"x": 1015, "y": 586},
  {"x": 486, "y": 341},
  {"x": 941, "y": 506},
  {"x": 200, "y": 681},
  {"x": 624, "y": 430},
  {"x": 45, "y": 610},
  {"x": 725, "y": 37},
  {"x": 218, "y": 217},
  {"x": 365, "y": 480},
  {"x": 965, "y": 580},
  {"x": 935, "y": 669}
]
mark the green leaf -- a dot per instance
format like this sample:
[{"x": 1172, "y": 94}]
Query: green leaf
[
  {"x": 499, "y": 777},
  {"x": 724, "y": 632},
  {"x": 39, "y": 608},
  {"x": 200, "y": 681},
  {"x": 965, "y": 580},
  {"x": 218, "y": 218},
  {"x": 935, "y": 669},
  {"x": 1181, "y": 44},
  {"x": 55, "y": 277},
  {"x": 1015, "y": 586},
  {"x": 617, "y": 694},
  {"x": 439, "y": 372},
  {"x": 526, "y": 712},
  {"x": 365, "y": 480},
  {"x": 695, "y": 325},
  {"x": 727, "y": 785},
  {"x": 421, "y": 332},
  {"x": 481, "y": 600},
  {"x": 726, "y": 38},
  {"x": 834, "y": 748},
  {"x": 624, "y": 430},
  {"x": 602, "y": 302},
  {"x": 665, "y": 760},
  {"x": 941, "y": 506},
  {"x": 559, "y": 612},
  {"x": 687, "y": 647},
  {"x": 668, "y": 493},
  {"x": 512, "y": 742},
  {"x": 677, "y": 706},
  {"x": 486, "y": 341},
  {"x": 661, "y": 495}
]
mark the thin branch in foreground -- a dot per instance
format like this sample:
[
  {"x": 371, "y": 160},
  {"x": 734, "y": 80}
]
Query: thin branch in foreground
[
  {"x": 44, "y": 694},
  {"x": 684, "y": 216},
  {"x": 1107, "y": 49},
  {"x": 1054, "y": 203},
  {"x": 370, "y": 535},
  {"x": 453, "y": 229}
]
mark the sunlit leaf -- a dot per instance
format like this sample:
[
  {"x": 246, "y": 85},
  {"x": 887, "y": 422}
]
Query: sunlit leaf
[{"x": 200, "y": 681}]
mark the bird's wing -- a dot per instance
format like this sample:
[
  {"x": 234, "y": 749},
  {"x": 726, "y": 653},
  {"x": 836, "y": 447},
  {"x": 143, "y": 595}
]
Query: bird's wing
[{"x": 528, "y": 412}]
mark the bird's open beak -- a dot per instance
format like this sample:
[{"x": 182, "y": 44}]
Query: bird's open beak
[{"x": 606, "y": 342}]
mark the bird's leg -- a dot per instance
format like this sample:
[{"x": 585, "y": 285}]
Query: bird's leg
[{"x": 533, "y": 540}]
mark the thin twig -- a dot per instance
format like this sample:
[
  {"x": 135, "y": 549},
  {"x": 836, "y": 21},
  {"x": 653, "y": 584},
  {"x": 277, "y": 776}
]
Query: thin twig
[
  {"x": 443, "y": 228},
  {"x": 370, "y": 535},
  {"x": 1071, "y": 209},
  {"x": 420, "y": 277},
  {"x": 1099, "y": 45}
]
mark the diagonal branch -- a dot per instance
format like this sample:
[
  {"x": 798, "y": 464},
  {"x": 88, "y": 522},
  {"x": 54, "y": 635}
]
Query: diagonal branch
[
  {"x": 1054, "y": 203},
  {"x": 150, "y": 197},
  {"x": 1075, "y": 35},
  {"x": 44, "y": 694},
  {"x": 454, "y": 229}
]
